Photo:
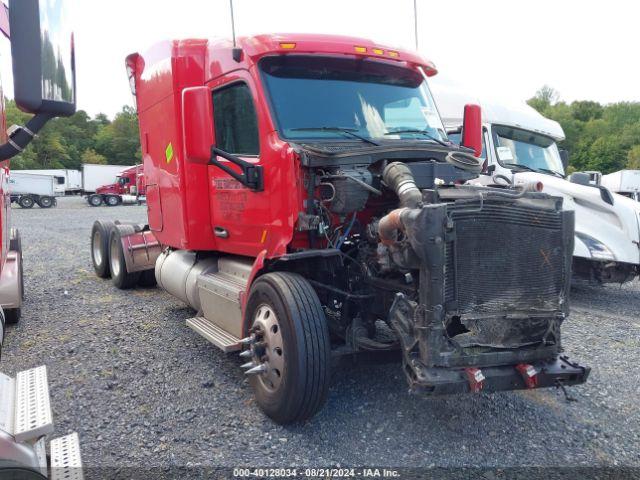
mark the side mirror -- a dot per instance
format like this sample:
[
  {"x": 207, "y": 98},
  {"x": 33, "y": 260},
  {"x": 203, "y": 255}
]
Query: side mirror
[
  {"x": 472, "y": 129},
  {"x": 581, "y": 179},
  {"x": 44, "y": 71},
  {"x": 197, "y": 124},
  {"x": 42, "y": 51},
  {"x": 564, "y": 157}
]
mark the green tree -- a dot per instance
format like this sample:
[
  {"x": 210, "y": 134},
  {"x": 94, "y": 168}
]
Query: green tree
[
  {"x": 91, "y": 156},
  {"x": 544, "y": 98},
  {"x": 633, "y": 158},
  {"x": 118, "y": 141}
]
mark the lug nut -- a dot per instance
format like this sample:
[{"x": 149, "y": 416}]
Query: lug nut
[{"x": 256, "y": 370}]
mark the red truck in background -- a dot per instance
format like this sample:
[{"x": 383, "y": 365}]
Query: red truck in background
[
  {"x": 304, "y": 199},
  {"x": 129, "y": 188},
  {"x": 42, "y": 53}
]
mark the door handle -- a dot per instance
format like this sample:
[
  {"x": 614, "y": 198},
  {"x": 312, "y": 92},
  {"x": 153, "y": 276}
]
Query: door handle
[{"x": 220, "y": 232}]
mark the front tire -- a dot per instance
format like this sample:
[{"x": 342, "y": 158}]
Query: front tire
[
  {"x": 26, "y": 202},
  {"x": 287, "y": 318},
  {"x": 120, "y": 277},
  {"x": 100, "y": 247}
]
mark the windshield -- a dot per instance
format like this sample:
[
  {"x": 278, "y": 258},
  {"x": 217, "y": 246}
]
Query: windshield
[
  {"x": 515, "y": 146},
  {"x": 322, "y": 97}
]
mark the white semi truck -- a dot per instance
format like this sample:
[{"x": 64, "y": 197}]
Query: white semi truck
[
  {"x": 28, "y": 189},
  {"x": 623, "y": 182},
  {"x": 67, "y": 181},
  {"x": 520, "y": 146}
]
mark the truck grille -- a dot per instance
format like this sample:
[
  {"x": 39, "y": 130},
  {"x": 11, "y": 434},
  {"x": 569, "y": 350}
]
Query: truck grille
[{"x": 506, "y": 258}]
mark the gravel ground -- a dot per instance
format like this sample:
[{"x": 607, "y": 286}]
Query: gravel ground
[{"x": 142, "y": 389}]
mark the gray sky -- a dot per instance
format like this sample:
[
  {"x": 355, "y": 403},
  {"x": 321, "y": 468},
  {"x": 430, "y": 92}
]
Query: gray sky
[{"x": 499, "y": 48}]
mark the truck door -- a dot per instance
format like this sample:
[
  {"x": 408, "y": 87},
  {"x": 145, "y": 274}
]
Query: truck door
[{"x": 240, "y": 217}]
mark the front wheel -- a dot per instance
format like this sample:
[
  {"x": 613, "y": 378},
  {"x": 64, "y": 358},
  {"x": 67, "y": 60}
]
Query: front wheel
[{"x": 291, "y": 352}]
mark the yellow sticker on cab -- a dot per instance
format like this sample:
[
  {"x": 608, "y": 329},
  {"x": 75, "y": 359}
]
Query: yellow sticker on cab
[{"x": 169, "y": 152}]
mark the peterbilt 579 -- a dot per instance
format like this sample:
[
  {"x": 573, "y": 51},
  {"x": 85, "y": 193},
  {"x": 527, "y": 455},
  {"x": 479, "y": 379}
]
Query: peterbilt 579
[{"x": 304, "y": 199}]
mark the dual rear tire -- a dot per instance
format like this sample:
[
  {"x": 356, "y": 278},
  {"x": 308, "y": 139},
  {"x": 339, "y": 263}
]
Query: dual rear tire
[{"x": 108, "y": 259}]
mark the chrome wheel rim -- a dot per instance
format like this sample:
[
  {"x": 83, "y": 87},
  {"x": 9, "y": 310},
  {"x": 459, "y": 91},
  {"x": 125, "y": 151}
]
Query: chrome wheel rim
[
  {"x": 97, "y": 253},
  {"x": 115, "y": 257},
  {"x": 268, "y": 350},
  {"x": 113, "y": 201}
]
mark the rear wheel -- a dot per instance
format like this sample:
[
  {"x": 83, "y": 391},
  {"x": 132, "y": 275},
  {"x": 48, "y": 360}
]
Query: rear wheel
[
  {"x": 112, "y": 200},
  {"x": 95, "y": 200},
  {"x": 100, "y": 247},
  {"x": 45, "y": 202},
  {"x": 120, "y": 277},
  {"x": 291, "y": 348},
  {"x": 26, "y": 202}
]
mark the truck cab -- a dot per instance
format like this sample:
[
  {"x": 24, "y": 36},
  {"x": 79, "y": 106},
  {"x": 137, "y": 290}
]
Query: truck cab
[
  {"x": 304, "y": 199},
  {"x": 127, "y": 189},
  {"x": 520, "y": 145}
]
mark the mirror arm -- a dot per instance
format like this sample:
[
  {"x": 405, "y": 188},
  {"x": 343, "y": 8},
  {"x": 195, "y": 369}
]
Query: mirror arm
[
  {"x": 252, "y": 175},
  {"x": 20, "y": 137}
]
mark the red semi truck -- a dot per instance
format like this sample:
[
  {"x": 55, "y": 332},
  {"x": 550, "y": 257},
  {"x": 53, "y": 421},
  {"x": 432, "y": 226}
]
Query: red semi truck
[
  {"x": 44, "y": 85},
  {"x": 304, "y": 200},
  {"x": 129, "y": 188}
]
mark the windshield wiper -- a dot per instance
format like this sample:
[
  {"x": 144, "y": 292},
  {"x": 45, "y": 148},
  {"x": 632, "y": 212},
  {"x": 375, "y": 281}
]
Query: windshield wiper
[
  {"x": 421, "y": 132},
  {"x": 346, "y": 130},
  {"x": 553, "y": 172},
  {"x": 531, "y": 169}
]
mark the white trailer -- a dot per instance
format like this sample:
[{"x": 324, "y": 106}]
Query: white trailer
[
  {"x": 624, "y": 182},
  {"x": 520, "y": 146},
  {"x": 67, "y": 181},
  {"x": 94, "y": 176},
  {"x": 27, "y": 189}
]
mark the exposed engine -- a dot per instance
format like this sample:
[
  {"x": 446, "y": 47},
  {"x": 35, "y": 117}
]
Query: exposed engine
[{"x": 453, "y": 274}]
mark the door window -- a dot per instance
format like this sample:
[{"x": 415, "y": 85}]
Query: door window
[{"x": 235, "y": 119}]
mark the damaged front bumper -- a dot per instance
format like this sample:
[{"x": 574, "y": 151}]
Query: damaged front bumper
[{"x": 445, "y": 381}]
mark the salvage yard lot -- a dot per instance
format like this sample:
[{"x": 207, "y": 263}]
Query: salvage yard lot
[{"x": 142, "y": 389}]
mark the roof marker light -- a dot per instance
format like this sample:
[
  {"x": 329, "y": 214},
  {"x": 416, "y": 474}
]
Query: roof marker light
[
  {"x": 287, "y": 46},
  {"x": 391, "y": 53},
  {"x": 378, "y": 51},
  {"x": 360, "y": 49}
]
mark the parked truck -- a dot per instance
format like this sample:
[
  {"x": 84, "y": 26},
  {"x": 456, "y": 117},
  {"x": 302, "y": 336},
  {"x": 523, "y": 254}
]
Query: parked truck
[
  {"x": 94, "y": 176},
  {"x": 68, "y": 181},
  {"x": 29, "y": 189},
  {"x": 304, "y": 200},
  {"x": 519, "y": 146},
  {"x": 128, "y": 189},
  {"x": 45, "y": 89},
  {"x": 623, "y": 182}
]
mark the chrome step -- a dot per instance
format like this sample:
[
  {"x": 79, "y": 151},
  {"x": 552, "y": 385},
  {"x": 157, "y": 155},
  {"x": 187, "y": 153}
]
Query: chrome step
[
  {"x": 32, "y": 406},
  {"x": 66, "y": 462},
  {"x": 216, "y": 335}
]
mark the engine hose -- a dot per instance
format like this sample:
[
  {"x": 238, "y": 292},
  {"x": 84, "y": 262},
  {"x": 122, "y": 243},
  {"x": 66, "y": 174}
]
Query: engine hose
[
  {"x": 399, "y": 178},
  {"x": 389, "y": 225}
]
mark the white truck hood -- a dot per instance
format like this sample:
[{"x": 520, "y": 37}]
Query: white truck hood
[{"x": 616, "y": 226}]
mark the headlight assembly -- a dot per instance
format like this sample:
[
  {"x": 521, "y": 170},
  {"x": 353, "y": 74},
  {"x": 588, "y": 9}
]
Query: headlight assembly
[{"x": 598, "y": 250}]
